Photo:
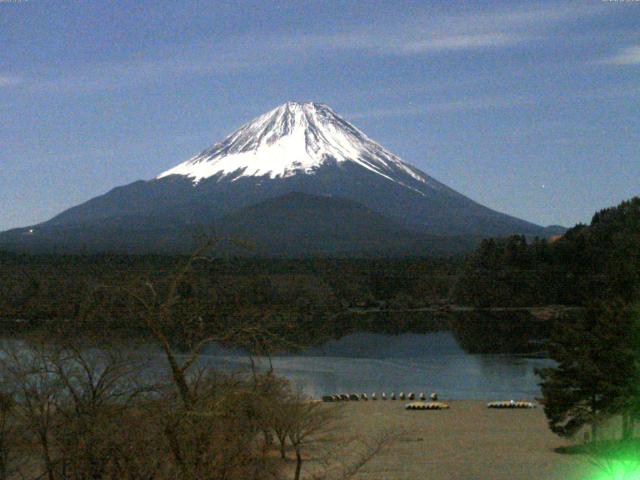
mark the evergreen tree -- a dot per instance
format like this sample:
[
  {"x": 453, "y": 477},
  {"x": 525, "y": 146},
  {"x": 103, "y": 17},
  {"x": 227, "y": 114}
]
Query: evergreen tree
[
  {"x": 628, "y": 400},
  {"x": 598, "y": 370}
]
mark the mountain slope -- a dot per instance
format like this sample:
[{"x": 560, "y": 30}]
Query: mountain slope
[
  {"x": 298, "y": 224},
  {"x": 292, "y": 225}
]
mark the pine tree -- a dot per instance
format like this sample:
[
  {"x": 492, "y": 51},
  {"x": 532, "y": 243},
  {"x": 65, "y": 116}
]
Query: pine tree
[
  {"x": 598, "y": 370},
  {"x": 628, "y": 401}
]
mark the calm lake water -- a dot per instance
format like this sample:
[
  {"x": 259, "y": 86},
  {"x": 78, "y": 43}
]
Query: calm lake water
[{"x": 368, "y": 362}]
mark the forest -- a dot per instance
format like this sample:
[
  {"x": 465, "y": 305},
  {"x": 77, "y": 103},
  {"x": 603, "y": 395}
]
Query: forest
[
  {"x": 320, "y": 297},
  {"x": 589, "y": 262}
]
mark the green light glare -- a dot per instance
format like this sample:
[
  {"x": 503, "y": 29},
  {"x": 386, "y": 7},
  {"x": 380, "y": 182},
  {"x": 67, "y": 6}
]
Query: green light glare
[{"x": 620, "y": 470}]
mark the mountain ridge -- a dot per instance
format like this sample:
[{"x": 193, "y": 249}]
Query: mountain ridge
[{"x": 296, "y": 147}]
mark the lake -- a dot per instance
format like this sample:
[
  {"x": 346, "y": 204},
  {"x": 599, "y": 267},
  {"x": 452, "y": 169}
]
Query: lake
[{"x": 370, "y": 362}]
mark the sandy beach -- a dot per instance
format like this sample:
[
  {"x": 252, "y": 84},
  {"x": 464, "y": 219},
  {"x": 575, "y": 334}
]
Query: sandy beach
[{"x": 466, "y": 442}]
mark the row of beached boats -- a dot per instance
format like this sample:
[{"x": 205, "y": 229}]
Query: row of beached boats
[
  {"x": 445, "y": 406},
  {"x": 422, "y": 404},
  {"x": 354, "y": 397},
  {"x": 511, "y": 404},
  {"x": 427, "y": 406}
]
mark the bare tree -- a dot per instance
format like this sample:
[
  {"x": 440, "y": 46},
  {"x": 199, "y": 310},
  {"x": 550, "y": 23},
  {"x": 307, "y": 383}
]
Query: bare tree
[
  {"x": 7, "y": 434},
  {"x": 98, "y": 386},
  {"x": 347, "y": 457},
  {"x": 309, "y": 423},
  {"x": 198, "y": 420},
  {"x": 165, "y": 313},
  {"x": 72, "y": 402},
  {"x": 26, "y": 369}
]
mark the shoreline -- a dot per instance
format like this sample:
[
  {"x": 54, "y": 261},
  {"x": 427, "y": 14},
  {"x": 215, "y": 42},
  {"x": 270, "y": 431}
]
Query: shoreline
[{"x": 468, "y": 441}]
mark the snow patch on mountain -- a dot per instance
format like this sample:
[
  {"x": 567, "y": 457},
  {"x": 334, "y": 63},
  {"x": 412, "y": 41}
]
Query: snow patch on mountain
[{"x": 295, "y": 138}]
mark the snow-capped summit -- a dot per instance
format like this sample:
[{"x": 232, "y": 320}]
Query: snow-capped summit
[{"x": 291, "y": 139}]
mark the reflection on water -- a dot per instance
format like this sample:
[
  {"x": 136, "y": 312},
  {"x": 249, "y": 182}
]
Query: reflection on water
[
  {"x": 367, "y": 362},
  {"x": 374, "y": 362}
]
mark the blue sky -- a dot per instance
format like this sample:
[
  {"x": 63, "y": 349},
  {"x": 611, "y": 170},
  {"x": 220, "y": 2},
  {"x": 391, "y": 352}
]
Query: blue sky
[{"x": 531, "y": 108}]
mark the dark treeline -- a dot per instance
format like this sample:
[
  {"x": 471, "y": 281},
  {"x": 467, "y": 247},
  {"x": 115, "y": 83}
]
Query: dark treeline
[
  {"x": 312, "y": 298},
  {"x": 598, "y": 261}
]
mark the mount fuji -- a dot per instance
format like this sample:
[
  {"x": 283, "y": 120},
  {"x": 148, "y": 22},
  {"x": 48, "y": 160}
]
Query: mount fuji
[{"x": 297, "y": 180}]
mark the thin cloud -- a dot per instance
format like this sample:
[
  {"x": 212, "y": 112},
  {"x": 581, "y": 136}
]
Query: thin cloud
[
  {"x": 495, "y": 102},
  {"x": 626, "y": 56},
  {"x": 409, "y": 36},
  {"x": 417, "y": 43},
  {"x": 386, "y": 112},
  {"x": 113, "y": 76},
  {"x": 428, "y": 34},
  {"x": 460, "y": 42},
  {"x": 466, "y": 104},
  {"x": 9, "y": 81}
]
